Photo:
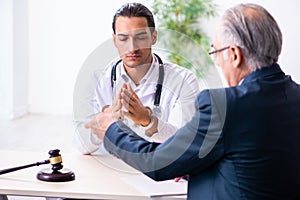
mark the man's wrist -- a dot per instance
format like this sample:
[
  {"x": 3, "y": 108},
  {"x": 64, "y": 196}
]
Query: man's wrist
[
  {"x": 148, "y": 121},
  {"x": 104, "y": 108},
  {"x": 152, "y": 127}
]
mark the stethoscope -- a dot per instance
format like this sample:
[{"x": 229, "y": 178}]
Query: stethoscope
[{"x": 156, "y": 109}]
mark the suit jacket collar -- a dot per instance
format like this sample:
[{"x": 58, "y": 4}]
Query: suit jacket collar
[{"x": 263, "y": 72}]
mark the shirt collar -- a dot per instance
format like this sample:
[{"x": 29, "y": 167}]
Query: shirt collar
[
  {"x": 263, "y": 72},
  {"x": 151, "y": 73}
]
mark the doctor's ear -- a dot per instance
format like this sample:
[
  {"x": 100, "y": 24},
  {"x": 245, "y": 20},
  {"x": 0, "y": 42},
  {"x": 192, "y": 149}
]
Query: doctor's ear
[{"x": 154, "y": 37}]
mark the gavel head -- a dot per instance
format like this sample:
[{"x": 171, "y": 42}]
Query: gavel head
[
  {"x": 55, "y": 159},
  {"x": 56, "y": 175}
]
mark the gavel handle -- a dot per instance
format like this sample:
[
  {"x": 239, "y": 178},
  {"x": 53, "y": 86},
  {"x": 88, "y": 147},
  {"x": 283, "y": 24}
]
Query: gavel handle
[{"x": 4, "y": 171}]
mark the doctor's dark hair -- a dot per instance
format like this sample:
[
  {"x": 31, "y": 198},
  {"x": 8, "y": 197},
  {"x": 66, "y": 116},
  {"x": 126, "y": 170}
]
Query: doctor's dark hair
[
  {"x": 253, "y": 29},
  {"x": 134, "y": 10}
]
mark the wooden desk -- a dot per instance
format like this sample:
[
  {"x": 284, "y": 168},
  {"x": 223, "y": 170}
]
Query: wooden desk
[{"x": 97, "y": 177}]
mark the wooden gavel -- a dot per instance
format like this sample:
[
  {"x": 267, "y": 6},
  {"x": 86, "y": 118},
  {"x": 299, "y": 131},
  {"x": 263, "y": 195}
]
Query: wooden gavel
[{"x": 55, "y": 175}]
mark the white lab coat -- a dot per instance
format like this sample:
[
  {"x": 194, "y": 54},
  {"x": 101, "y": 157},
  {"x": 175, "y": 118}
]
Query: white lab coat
[{"x": 179, "y": 90}]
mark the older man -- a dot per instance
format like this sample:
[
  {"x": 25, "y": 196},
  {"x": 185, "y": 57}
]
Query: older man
[{"x": 242, "y": 142}]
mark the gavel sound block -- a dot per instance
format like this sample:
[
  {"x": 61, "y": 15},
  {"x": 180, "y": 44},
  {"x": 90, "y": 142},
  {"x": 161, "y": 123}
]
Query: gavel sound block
[{"x": 55, "y": 174}]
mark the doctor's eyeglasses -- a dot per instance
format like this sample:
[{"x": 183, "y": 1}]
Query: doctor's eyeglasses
[{"x": 213, "y": 51}]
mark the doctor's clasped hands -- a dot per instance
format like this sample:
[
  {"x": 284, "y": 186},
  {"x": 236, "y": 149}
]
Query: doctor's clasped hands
[{"x": 126, "y": 104}]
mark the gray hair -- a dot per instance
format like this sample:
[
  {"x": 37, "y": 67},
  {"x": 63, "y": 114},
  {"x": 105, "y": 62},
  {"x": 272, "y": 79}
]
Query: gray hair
[{"x": 255, "y": 31}]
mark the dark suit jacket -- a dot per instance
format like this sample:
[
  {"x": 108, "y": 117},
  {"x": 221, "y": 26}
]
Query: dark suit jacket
[{"x": 242, "y": 143}]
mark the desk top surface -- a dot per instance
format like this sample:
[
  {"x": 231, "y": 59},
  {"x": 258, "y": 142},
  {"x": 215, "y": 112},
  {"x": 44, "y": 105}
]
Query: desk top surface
[{"x": 96, "y": 177}]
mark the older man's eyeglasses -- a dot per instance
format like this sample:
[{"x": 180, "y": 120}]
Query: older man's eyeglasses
[{"x": 213, "y": 51}]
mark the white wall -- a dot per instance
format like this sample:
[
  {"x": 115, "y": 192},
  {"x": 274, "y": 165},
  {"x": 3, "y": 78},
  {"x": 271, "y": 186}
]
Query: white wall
[
  {"x": 63, "y": 33},
  {"x": 21, "y": 58},
  {"x": 14, "y": 59},
  {"x": 6, "y": 57}
]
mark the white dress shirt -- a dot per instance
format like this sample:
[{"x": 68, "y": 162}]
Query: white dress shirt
[{"x": 179, "y": 90}]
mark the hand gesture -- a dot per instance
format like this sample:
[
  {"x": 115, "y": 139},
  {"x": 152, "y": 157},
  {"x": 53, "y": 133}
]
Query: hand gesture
[
  {"x": 103, "y": 120},
  {"x": 136, "y": 111},
  {"x": 115, "y": 108},
  {"x": 100, "y": 123}
]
